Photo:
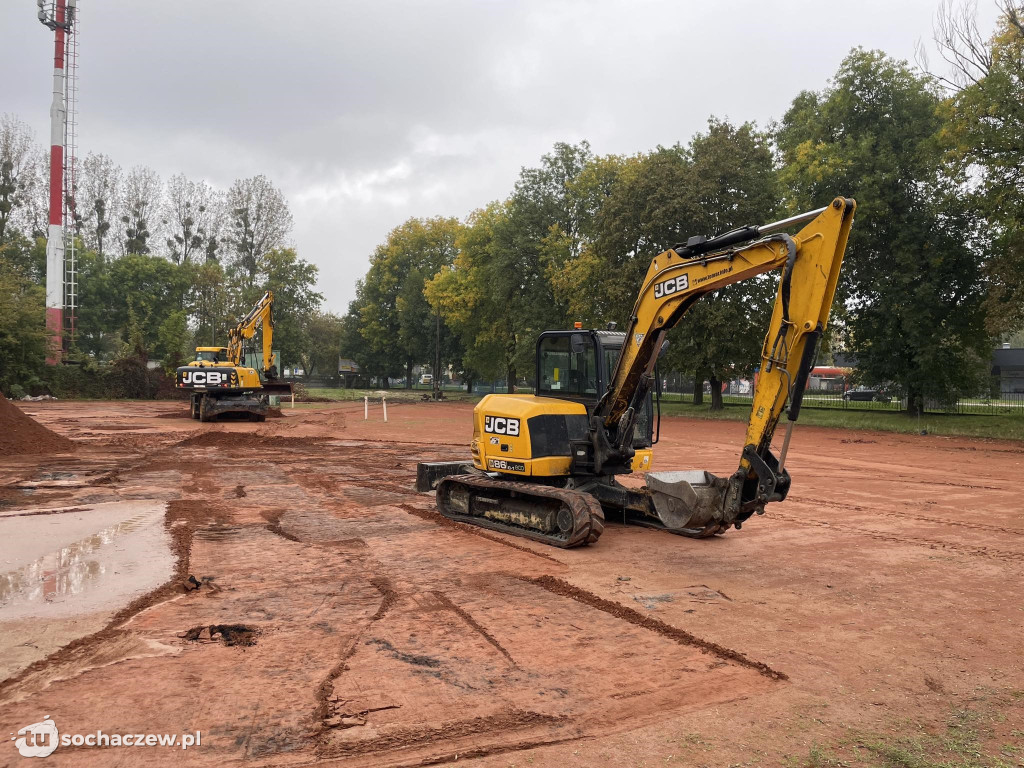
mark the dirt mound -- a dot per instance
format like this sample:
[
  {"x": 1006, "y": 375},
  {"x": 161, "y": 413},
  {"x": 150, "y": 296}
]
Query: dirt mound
[{"x": 20, "y": 433}]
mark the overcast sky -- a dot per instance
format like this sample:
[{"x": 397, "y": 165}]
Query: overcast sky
[{"x": 368, "y": 113}]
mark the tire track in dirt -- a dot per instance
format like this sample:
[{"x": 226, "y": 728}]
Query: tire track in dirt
[
  {"x": 324, "y": 691},
  {"x": 565, "y": 589},
  {"x": 911, "y": 516},
  {"x": 920, "y": 541},
  {"x": 463, "y": 614},
  {"x": 425, "y": 736}
]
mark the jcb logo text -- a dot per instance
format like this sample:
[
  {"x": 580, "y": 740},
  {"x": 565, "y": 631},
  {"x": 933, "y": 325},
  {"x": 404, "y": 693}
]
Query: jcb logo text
[
  {"x": 667, "y": 288},
  {"x": 202, "y": 377},
  {"x": 499, "y": 425}
]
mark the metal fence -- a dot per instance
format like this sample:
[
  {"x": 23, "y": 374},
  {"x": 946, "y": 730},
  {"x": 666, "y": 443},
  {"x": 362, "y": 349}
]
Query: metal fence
[{"x": 1011, "y": 403}]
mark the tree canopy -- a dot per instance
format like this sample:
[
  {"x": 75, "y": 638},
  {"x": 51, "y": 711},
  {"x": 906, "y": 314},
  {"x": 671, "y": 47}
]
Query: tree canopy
[{"x": 934, "y": 270}]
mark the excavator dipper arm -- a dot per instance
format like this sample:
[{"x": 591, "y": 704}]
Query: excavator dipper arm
[
  {"x": 676, "y": 279},
  {"x": 259, "y": 318}
]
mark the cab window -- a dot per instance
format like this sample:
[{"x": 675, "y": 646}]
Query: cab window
[
  {"x": 611, "y": 357},
  {"x": 564, "y": 372},
  {"x": 208, "y": 356}
]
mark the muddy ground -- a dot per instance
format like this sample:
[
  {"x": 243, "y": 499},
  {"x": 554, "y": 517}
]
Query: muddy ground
[{"x": 280, "y": 588}]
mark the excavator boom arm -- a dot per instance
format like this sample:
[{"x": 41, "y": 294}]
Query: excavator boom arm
[
  {"x": 259, "y": 318},
  {"x": 678, "y": 278}
]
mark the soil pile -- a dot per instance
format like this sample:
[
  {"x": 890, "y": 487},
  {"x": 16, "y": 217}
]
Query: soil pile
[{"x": 21, "y": 434}]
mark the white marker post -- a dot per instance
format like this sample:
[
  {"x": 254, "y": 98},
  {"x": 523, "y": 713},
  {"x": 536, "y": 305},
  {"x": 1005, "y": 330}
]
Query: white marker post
[
  {"x": 366, "y": 407},
  {"x": 384, "y": 402}
]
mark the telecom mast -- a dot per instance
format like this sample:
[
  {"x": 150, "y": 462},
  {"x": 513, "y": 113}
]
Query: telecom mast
[{"x": 59, "y": 15}]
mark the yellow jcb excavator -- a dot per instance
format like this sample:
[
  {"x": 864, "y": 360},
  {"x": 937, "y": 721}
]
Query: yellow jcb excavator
[
  {"x": 219, "y": 380},
  {"x": 543, "y": 466}
]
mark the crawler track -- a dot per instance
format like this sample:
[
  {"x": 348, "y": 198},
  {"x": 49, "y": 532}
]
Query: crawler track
[{"x": 556, "y": 516}]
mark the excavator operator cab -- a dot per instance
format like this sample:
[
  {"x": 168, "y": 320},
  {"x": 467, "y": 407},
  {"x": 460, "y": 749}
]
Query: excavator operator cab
[
  {"x": 578, "y": 365},
  {"x": 212, "y": 354}
]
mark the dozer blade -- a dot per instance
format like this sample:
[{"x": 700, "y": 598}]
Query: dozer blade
[
  {"x": 555, "y": 516},
  {"x": 690, "y": 503}
]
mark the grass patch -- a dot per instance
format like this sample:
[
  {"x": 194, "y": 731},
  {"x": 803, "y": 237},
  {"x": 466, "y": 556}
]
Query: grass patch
[
  {"x": 960, "y": 746},
  {"x": 999, "y": 426},
  {"x": 397, "y": 395},
  {"x": 972, "y": 738},
  {"x": 959, "y": 425}
]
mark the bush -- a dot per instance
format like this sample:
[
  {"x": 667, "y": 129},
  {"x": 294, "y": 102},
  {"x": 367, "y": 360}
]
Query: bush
[{"x": 128, "y": 377}]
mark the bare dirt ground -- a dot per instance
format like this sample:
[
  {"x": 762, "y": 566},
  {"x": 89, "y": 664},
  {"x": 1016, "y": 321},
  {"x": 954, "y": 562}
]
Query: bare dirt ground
[{"x": 292, "y": 598}]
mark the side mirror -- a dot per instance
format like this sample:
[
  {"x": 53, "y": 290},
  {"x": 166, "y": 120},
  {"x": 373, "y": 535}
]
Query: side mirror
[{"x": 576, "y": 343}]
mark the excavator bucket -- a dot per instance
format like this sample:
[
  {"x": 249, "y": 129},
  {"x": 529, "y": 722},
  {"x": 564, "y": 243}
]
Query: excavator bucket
[{"x": 689, "y": 502}]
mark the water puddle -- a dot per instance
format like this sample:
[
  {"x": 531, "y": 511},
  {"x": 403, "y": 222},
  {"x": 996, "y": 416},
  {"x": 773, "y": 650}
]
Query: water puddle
[{"x": 94, "y": 559}]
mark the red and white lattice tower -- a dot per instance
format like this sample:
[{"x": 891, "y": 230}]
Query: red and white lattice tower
[{"x": 59, "y": 16}]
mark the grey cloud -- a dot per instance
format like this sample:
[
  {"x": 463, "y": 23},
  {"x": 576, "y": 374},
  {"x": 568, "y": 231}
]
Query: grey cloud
[{"x": 367, "y": 113}]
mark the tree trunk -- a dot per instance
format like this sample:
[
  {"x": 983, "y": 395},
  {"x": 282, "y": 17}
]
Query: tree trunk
[
  {"x": 469, "y": 385},
  {"x": 716, "y": 394},
  {"x": 510, "y": 379},
  {"x": 698, "y": 390},
  {"x": 915, "y": 403},
  {"x": 408, "y": 374}
]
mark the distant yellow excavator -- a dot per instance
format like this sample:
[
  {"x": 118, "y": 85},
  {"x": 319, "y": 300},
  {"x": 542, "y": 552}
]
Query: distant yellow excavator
[
  {"x": 218, "y": 379},
  {"x": 543, "y": 466}
]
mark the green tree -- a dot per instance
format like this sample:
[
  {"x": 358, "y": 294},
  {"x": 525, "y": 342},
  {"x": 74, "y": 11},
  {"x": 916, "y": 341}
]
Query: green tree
[
  {"x": 207, "y": 302},
  {"x": 322, "y": 331},
  {"x": 503, "y": 291},
  {"x": 640, "y": 217},
  {"x": 173, "y": 341},
  {"x": 135, "y": 291},
  {"x": 395, "y": 319},
  {"x": 985, "y": 133},
  {"x": 912, "y": 277},
  {"x": 723, "y": 179},
  {"x": 293, "y": 281},
  {"x": 23, "y": 339},
  {"x": 374, "y": 360},
  {"x": 732, "y": 181},
  {"x": 481, "y": 301}
]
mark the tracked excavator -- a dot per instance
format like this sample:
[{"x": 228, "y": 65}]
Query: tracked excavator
[
  {"x": 218, "y": 379},
  {"x": 544, "y": 466}
]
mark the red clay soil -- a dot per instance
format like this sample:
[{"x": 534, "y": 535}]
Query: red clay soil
[
  {"x": 875, "y": 609},
  {"x": 21, "y": 434}
]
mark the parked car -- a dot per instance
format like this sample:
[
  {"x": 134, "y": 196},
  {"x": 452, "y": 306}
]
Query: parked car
[
  {"x": 427, "y": 378},
  {"x": 864, "y": 394}
]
